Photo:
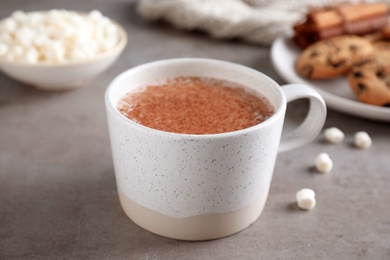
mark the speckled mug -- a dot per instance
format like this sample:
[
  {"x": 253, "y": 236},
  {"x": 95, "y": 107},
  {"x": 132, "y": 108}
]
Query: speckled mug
[{"x": 199, "y": 187}]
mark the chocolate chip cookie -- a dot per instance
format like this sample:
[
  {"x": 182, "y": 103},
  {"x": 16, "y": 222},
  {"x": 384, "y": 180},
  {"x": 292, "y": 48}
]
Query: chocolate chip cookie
[
  {"x": 333, "y": 57},
  {"x": 370, "y": 79}
]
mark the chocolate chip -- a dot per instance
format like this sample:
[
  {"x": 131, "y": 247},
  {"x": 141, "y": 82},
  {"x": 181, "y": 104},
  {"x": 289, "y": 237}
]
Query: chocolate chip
[
  {"x": 361, "y": 87},
  {"x": 357, "y": 74},
  {"x": 307, "y": 71},
  {"x": 335, "y": 63},
  {"x": 353, "y": 48},
  {"x": 387, "y": 105},
  {"x": 380, "y": 74},
  {"x": 313, "y": 54}
]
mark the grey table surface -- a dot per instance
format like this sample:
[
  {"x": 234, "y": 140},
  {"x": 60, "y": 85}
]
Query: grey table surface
[{"x": 58, "y": 196}]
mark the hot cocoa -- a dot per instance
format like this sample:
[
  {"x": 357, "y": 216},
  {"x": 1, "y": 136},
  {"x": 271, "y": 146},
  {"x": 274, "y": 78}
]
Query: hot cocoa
[{"x": 192, "y": 105}]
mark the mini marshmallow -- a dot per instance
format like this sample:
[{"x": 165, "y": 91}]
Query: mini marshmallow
[
  {"x": 35, "y": 19},
  {"x": 19, "y": 16},
  {"x": 6, "y": 38},
  {"x": 3, "y": 49},
  {"x": 306, "y": 199},
  {"x": 104, "y": 21},
  {"x": 95, "y": 15},
  {"x": 110, "y": 30},
  {"x": 10, "y": 25},
  {"x": 67, "y": 30},
  {"x": 54, "y": 52},
  {"x": 32, "y": 55},
  {"x": 54, "y": 14},
  {"x": 24, "y": 36},
  {"x": 41, "y": 40},
  {"x": 323, "y": 163},
  {"x": 334, "y": 135},
  {"x": 362, "y": 140},
  {"x": 18, "y": 50},
  {"x": 76, "y": 20}
]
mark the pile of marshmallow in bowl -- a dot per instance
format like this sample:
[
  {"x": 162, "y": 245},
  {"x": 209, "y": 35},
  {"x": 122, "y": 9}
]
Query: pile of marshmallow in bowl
[{"x": 57, "y": 37}]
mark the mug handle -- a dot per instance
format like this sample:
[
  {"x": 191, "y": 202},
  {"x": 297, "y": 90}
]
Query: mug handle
[{"x": 312, "y": 124}]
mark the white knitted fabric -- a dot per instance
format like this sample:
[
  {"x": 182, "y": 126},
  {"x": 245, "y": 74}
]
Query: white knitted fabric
[{"x": 256, "y": 21}]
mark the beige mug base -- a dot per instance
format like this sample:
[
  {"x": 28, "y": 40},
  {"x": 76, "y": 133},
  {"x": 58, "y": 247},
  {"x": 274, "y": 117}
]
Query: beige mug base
[{"x": 196, "y": 228}]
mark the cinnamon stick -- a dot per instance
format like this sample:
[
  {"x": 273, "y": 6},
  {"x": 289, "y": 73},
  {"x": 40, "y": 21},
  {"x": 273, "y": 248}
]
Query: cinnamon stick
[{"x": 332, "y": 21}]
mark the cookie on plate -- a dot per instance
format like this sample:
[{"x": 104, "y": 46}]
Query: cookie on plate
[
  {"x": 333, "y": 57},
  {"x": 370, "y": 80}
]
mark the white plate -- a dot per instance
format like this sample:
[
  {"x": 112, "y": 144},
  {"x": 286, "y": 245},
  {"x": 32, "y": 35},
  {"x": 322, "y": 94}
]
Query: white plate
[{"x": 336, "y": 92}]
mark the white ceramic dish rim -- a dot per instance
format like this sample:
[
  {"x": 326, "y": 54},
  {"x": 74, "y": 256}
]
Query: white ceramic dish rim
[
  {"x": 120, "y": 45},
  {"x": 341, "y": 104}
]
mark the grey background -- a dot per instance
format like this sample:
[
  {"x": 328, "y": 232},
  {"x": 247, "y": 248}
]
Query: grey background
[{"x": 57, "y": 187}]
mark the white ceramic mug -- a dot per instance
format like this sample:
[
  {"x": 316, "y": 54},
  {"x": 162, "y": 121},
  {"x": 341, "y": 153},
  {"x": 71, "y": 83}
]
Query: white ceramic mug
[{"x": 199, "y": 187}]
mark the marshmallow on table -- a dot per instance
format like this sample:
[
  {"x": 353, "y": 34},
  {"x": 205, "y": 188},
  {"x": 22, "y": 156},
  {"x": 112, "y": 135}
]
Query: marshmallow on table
[
  {"x": 334, "y": 135},
  {"x": 323, "y": 163},
  {"x": 306, "y": 199},
  {"x": 56, "y": 36},
  {"x": 362, "y": 140}
]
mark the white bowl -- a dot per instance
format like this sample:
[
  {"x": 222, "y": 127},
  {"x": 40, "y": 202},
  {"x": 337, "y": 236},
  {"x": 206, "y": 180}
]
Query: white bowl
[{"x": 55, "y": 77}]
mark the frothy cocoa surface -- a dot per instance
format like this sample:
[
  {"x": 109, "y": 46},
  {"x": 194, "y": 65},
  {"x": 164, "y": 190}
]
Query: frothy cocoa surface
[{"x": 192, "y": 105}]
